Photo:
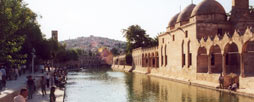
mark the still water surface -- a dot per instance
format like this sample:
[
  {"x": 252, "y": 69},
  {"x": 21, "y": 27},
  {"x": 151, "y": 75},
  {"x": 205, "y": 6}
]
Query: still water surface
[{"x": 109, "y": 86}]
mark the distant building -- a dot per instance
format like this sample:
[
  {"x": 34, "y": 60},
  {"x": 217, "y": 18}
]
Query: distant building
[{"x": 55, "y": 35}]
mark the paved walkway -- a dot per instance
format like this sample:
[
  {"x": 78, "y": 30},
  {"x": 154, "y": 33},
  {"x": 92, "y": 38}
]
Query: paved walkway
[
  {"x": 13, "y": 85},
  {"x": 39, "y": 98},
  {"x": 12, "y": 89}
]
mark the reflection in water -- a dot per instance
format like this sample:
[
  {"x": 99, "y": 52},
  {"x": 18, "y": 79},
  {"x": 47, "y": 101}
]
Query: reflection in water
[{"x": 108, "y": 86}]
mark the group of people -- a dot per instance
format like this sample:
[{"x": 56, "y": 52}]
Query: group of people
[
  {"x": 60, "y": 77},
  {"x": 44, "y": 83},
  {"x": 232, "y": 86},
  {"x": 24, "y": 93},
  {"x": 49, "y": 80},
  {"x": 10, "y": 74}
]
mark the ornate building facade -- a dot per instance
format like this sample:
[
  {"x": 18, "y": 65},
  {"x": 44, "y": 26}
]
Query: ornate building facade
[{"x": 201, "y": 42}]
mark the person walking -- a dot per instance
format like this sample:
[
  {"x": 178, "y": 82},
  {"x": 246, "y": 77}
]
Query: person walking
[
  {"x": 43, "y": 85},
  {"x": 30, "y": 87},
  {"x": 52, "y": 96},
  {"x": 22, "y": 96}
]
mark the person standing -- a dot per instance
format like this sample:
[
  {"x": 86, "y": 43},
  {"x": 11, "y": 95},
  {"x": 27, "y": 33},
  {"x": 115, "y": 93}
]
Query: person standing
[
  {"x": 3, "y": 76},
  {"x": 52, "y": 96},
  {"x": 43, "y": 85},
  {"x": 16, "y": 72},
  {"x": 30, "y": 87},
  {"x": 47, "y": 79},
  {"x": 1, "y": 83},
  {"x": 221, "y": 81},
  {"x": 22, "y": 96}
]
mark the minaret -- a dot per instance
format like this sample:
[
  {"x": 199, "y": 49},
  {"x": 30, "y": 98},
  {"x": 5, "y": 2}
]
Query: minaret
[
  {"x": 240, "y": 4},
  {"x": 240, "y": 15},
  {"x": 240, "y": 9}
]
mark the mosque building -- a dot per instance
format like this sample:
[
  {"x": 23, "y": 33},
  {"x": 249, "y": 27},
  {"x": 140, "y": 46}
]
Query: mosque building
[{"x": 200, "y": 43}]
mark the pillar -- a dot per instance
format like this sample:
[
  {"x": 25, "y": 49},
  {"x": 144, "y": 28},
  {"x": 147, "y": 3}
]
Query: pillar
[
  {"x": 242, "y": 65},
  {"x": 224, "y": 64}
]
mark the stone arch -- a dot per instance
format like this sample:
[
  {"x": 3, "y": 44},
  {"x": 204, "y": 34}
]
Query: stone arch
[
  {"x": 216, "y": 59},
  {"x": 232, "y": 58},
  {"x": 202, "y": 60},
  {"x": 248, "y": 58}
]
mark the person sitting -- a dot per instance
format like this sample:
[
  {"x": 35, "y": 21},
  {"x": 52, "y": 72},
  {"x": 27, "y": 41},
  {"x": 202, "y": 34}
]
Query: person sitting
[{"x": 234, "y": 87}]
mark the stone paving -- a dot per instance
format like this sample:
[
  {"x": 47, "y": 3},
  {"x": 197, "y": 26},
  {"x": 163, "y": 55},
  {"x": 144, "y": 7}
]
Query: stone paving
[
  {"x": 13, "y": 87},
  {"x": 39, "y": 98}
]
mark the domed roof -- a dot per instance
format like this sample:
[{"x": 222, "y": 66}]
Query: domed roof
[
  {"x": 208, "y": 7},
  {"x": 186, "y": 14},
  {"x": 172, "y": 22}
]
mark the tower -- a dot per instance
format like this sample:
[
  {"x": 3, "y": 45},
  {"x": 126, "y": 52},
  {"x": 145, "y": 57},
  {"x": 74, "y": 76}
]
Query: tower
[{"x": 55, "y": 35}]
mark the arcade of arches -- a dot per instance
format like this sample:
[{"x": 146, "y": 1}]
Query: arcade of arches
[{"x": 231, "y": 60}]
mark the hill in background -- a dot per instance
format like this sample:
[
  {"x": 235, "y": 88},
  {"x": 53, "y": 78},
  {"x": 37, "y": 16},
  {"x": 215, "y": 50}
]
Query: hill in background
[{"x": 93, "y": 43}]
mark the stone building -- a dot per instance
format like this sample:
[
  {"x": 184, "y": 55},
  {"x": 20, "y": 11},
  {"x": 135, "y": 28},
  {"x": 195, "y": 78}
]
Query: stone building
[{"x": 201, "y": 42}]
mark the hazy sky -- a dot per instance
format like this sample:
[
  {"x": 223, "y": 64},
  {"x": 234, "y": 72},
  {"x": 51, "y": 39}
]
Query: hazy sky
[{"x": 107, "y": 18}]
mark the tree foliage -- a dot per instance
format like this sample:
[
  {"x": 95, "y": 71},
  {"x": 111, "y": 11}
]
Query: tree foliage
[
  {"x": 136, "y": 37},
  {"x": 14, "y": 16},
  {"x": 20, "y": 33}
]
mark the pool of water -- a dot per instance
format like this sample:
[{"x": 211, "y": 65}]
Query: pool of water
[{"x": 108, "y": 86}]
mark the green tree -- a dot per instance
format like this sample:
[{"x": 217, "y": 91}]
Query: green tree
[
  {"x": 114, "y": 51},
  {"x": 14, "y": 15},
  {"x": 136, "y": 37}
]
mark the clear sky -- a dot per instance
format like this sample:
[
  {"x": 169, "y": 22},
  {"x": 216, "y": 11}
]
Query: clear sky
[{"x": 107, "y": 18}]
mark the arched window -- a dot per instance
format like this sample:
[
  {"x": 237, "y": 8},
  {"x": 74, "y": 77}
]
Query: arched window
[
  {"x": 166, "y": 57},
  {"x": 161, "y": 56},
  {"x": 183, "y": 55},
  {"x": 189, "y": 55}
]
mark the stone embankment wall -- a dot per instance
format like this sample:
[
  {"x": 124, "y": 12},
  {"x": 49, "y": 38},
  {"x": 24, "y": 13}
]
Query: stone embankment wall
[{"x": 125, "y": 68}]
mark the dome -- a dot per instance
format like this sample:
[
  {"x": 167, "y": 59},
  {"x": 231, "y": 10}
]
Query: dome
[
  {"x": 172, "y": 22},
  {"x": 186, "y": 14},
  {"x": 207, "y": 7}
]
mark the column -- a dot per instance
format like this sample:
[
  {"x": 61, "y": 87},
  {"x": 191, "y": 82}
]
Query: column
[
  {"x": 224, "y": 64},
  {"x": 209, "y": 64},
  {"x": 242, "y": 65}
]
